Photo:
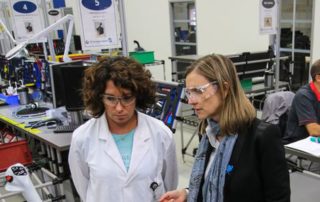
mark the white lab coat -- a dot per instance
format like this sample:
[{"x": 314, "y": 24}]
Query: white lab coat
[{"x": 98, "y": 171}]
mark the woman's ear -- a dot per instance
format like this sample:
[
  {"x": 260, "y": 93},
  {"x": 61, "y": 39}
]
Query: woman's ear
[{"x": 226, "y": 88}]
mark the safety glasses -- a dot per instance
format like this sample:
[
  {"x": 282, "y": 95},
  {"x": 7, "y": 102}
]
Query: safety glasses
[
  {"x": 198, "y": 92},
  {"x": 114, "y": 100}
]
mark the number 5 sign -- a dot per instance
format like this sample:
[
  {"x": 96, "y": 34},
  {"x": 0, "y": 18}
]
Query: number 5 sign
[
  {"x": 26, "y": 19},
  {"x": 99, "y": 24}
]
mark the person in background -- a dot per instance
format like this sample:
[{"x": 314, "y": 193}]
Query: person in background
[
  {"x": 304, "y": 115},
  {"x": 239, "y": 158},
  {"x": 121, "y": 154}
]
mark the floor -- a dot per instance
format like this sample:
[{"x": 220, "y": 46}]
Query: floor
[{"x": 185, "y": 162}]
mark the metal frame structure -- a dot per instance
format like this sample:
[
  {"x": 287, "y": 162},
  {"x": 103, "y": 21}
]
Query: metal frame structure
[{"x": 48, "y": 185}]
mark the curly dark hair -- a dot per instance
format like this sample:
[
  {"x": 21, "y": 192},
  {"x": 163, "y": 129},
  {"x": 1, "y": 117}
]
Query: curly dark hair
[{"x": 126, "y": 73}]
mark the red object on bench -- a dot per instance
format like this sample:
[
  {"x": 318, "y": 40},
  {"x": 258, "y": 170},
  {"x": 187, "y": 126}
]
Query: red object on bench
[{"x": 14, "y": 152}]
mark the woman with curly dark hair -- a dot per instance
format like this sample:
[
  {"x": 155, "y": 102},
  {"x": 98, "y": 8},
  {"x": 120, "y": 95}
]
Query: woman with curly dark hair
[{"x": 121, "y": 154}]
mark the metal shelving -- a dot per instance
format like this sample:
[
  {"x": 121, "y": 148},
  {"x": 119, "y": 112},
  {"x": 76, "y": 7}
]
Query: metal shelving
[
  {"x": 183, "y": 31},
  {"x": 296, "y": 28}
]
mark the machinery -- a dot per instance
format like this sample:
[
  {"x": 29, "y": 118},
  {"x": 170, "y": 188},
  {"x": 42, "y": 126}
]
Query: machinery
[{"x": 20, "y": 180}]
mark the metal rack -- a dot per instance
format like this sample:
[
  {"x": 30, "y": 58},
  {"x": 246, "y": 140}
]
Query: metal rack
[
  {"x": 158, "y": 62},
  {"x": 294, "y": 37},
  {"x": 183, "y": 30},
  {"x": 190, "y": 120}
]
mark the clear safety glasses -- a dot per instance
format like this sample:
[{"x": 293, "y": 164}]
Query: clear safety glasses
[
  {"x": 197, "y": 93},
  {"x": 114, "y": 100}
]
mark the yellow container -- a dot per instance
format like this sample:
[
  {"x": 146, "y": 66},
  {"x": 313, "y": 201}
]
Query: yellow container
[{"x": 59, "y": 58}]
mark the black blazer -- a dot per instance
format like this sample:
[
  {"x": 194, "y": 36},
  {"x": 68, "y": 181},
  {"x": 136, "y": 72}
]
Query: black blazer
[{"x": 260, "y": 171}]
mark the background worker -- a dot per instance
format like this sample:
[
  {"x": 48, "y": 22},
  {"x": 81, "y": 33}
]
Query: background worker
[{"x": 304, "y": 115}]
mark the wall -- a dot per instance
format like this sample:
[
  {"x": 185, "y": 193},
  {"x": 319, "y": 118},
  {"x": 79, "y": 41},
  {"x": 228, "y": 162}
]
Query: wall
[
  {"x": 148, "y": 22},
  {"x": 229, "y": 27},
  {"x": 225, "y": 27}
]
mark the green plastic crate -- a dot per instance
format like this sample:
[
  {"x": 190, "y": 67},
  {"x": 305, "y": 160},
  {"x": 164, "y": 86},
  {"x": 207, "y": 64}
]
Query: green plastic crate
[
  {"x": 246, "y": 84},
  {"x": 144, "y": 57}
]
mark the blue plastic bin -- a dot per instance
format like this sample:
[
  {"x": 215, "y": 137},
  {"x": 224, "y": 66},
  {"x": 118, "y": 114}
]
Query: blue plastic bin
[{"x": 11, "y": 99}]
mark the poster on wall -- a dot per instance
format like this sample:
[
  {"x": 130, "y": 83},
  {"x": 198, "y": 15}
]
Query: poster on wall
[
  {"x": 268, "y": 16},
  {"x": 26, "y": 19},
  {"x": 99, "y": 29}
]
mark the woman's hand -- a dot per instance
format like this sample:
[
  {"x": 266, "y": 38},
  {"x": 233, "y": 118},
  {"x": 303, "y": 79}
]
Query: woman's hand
[{"x": 174, "y": 196}]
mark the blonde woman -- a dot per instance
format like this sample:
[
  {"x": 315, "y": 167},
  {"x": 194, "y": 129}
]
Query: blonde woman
[{"x": 240, "y": 158}]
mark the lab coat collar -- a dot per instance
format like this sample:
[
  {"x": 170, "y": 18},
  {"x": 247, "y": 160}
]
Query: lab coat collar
[
  {"x": 109, "y": 147},
  {"x": 141, "y": 143}
]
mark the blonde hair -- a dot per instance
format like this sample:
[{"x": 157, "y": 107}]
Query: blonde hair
[{"x": 237, "y": 111}]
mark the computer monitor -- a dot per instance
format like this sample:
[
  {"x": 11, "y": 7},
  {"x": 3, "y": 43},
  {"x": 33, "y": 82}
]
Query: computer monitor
[
  {"x": 56, "y": 81},
  {"x": 77, "y": 42},
  {"x": 72, "y": 76},
  {"x": 66, "y": 83},
  {"x": 168, "y": 105}
]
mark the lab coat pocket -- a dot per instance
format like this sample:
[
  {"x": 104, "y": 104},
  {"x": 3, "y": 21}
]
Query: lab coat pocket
[{"x": 157, "y": 188}]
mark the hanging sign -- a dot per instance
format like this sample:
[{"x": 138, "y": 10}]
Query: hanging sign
[
  {"x": 53, "y": 16},
  {"x": 268, "y": 16},
  {"x": 26, "y": 19},
  {"x": 99, "y": 24}
]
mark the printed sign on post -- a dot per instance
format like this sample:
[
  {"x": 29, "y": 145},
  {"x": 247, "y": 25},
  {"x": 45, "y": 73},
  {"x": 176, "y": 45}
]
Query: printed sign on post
[
  {"x": 54, "y": 15},
  {"x": 268, "y": 16},
  {"x": 99, "y": 24},
  {"x": 26, "y": 18}
]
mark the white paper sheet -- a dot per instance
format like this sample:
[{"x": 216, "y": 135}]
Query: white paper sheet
[{"x": 306, "y": 145}]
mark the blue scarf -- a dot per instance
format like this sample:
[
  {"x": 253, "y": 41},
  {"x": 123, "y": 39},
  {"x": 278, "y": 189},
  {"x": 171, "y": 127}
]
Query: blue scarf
[{"x": 214, "y": 181}]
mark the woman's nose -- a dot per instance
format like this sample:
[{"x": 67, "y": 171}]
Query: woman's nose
[
  {"x": 191, "y": 101},
  {"x": 119, "y": 106}
]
